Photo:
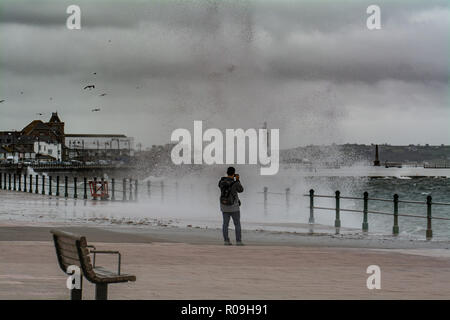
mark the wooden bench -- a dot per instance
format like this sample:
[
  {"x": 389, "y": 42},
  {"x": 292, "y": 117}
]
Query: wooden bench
[{"x": 72, "y": 249}]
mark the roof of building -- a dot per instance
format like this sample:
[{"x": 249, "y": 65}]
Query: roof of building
[
  {"x": 55, "y": 118},
  {"x": 39, "y": 125},
  {"x": 31, "y": 126},
  {"x": 96, "y": 135},
  {"x": 21, "y": 148}
]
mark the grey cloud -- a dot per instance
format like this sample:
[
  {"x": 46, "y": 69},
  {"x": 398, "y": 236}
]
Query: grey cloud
[{"x": 309, "y": 68}]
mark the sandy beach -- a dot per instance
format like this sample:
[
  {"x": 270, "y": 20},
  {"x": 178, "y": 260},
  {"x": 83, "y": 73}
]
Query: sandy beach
[{"x": 190, "y": 263}]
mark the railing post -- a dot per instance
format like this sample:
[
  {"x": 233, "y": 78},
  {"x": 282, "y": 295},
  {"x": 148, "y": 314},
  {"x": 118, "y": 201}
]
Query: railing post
[
  {"x": 337, "y": 222},
  {"x": 43, "y": 185},
  {"x": 66, "y": 182},
  {"x": 1, "y": 180},
  {"x": 162, "y": 191},
  {"x": 395, "y": 229},
  {"x": 311, "y": 206},
  {"x": 57, "y": 186},
  {"x": 9, "y": 181},
  {"x": 31, "y": 183},
  {"x": 265, "y": 191},
  {"x": 20, "y": 181},
  {"x": 288, "y": 191},
  {"x": 84, "y": 188},
  {"x": 113, "y": 189},
  {"x": 429, "y": 233},
  {"x": 50, "y": 185},
  {"x": 102, "y": 180},
  {"x": 149, "y": 186},
  {"x": 124, "y": 189},
  {"x": 14, "y": 178},
  {"x": 365, "y": 224},
  {"x": 75, "y": 195},
  {"x": 95, "y": 188},
  {"x": 131, "y": 190},
  {"x": 136, "y": 190},
  {"x": 25, "y": 182},
  {"x": 37, "y": 185}
]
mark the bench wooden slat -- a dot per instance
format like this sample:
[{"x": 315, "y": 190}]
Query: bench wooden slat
[
  {"x": 67, "y": 248},
  {"x": 105, "y": 275},
  {"x": 68, "y": 242},
  {"x": 68, "y": 261},
  {"x": 70, "y": 255}
]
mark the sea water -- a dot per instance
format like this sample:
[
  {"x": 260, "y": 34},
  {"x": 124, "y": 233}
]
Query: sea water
[{"x": 193, "y": 201}]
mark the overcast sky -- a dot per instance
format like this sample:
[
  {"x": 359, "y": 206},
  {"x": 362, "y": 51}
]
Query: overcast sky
[{"x": 310, "y": 68}]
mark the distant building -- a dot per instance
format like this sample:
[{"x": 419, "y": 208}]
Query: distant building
[
  {"x": 99, "y": 146},
  {"x": 47, "y": 141},
  {"x": 37, "y": 141},
  {"x": 52, "y": 130},
  {"x": 50, "y": 151},
  {"x": 32, "y": 150}
]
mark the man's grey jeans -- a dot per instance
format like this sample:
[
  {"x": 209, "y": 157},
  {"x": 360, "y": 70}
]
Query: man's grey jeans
[{"x": 237, "y": 224}]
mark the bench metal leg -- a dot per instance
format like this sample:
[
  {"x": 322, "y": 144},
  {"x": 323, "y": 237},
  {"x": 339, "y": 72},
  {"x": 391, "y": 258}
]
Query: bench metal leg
[
  {"x": 77, "y": 294},
  {"x": 101, "y": 291}
]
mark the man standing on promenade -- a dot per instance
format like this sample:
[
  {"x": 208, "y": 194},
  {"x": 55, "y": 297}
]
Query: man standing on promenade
[{"x": 230, "y": 186}]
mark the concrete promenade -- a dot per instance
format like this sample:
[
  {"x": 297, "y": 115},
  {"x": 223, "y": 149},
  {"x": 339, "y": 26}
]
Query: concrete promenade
[{"x": 171, "y": 263}]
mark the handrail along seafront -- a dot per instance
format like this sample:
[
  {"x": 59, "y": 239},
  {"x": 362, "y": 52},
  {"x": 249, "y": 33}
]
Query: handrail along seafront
[{"x": 365, "y": 226}]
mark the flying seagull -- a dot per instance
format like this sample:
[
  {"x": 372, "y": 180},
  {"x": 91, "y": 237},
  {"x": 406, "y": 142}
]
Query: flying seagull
[
  {"x": 92, "y": 86},
  {"x": 103, "y": 94},
  {"x": 95, "y": 73},
  {"x": 95, "y": 110},
  {"x": 39, "y": 114},
  {"x": 2, "y": 101}
]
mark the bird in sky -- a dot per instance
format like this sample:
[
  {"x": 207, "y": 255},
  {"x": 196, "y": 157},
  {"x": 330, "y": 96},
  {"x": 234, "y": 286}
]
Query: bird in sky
[
  {"x": 95, "y": 73},
  {"x": 103, "y": 94},
  {"x": 2, "y": 101},
  {"x": 39, "y": 114},
  {"x": 92, "y": 86},
  {"x": 21, "y": 92},
  {"x": 95, "y": 110}
]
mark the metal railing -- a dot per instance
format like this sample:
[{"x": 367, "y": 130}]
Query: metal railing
[
  {"x": 365, "y": 224},
  {"x": 129, "y": 189},
  {"x": 126, "y": 189},
  {"x": 63, "y": 166}
]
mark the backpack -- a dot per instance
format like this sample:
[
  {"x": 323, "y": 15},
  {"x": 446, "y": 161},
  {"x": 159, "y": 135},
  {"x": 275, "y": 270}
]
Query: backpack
[{"x": 226, "y": 198}]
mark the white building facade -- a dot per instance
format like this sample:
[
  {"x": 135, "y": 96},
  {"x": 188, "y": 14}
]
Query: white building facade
[
  {"x": 53, "y": 150},
  {"x": 99, "y": 145}
]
